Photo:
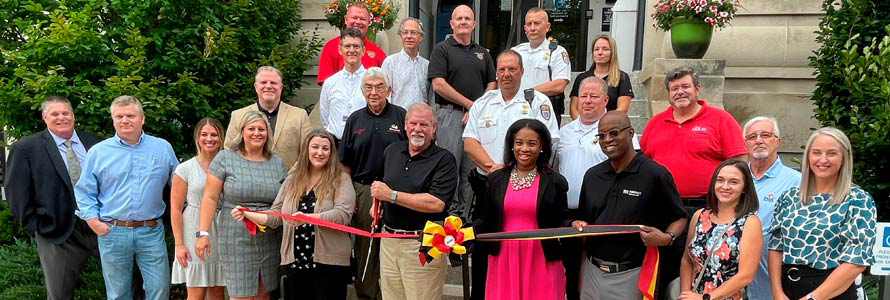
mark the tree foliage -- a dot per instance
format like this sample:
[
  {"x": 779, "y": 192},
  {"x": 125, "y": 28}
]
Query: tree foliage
[
  {"x": 184, "y": 59},
  {"x": 853, "y": 89}
]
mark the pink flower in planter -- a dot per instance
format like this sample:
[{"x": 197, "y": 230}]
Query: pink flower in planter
[
  {"x": 713, "y": 9},
  {"x": 724, "y": 14},
  {"x": 376, "y": 20},
  {"x": 711, "y": 21},
  {"x": 699, "y": 9}
]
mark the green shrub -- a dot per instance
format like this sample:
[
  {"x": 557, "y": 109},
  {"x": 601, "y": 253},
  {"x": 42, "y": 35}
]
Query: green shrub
[
  {"x": 10, "y": 230},
  {"x": 22, "y": 278},
  {"x": 853, "y": 89},
  {"x": 185, "y": 59}
]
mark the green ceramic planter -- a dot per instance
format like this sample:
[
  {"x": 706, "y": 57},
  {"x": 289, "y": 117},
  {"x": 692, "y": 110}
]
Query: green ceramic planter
[{"x": 690, "y": 39}]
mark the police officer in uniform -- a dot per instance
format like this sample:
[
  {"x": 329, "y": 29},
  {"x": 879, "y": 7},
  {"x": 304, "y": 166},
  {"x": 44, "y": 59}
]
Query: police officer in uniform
[
  {"x": 490, "y": 117},
  {"x": 548, "y": 68}
]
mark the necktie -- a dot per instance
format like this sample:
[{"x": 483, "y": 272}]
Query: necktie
[{"x": 73, "y": 163}]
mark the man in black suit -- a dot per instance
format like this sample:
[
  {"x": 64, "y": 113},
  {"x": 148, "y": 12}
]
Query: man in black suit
[{"x": 42, "y": 170}]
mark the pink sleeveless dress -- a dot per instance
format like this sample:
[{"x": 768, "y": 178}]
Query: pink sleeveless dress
[{"x": 520, "y": 271}]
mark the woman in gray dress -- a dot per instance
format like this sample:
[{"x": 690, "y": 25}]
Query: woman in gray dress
[
  {"x": 203, "y": 279},
  {"x": 248, "y": 175}
]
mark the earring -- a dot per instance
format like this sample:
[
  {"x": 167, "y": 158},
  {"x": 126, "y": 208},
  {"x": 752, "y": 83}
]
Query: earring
[{"x": 542, "y": 151}]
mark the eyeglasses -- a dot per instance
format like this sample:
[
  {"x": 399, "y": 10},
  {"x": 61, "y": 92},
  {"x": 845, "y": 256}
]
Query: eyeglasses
[
  {"x": 352, "y": 46},
  {"x": 612, "y": 133},
  {"x": 380, "y": 88},
  {"x": 411, "y": 33},
  {"x": 763, "y": 135}
]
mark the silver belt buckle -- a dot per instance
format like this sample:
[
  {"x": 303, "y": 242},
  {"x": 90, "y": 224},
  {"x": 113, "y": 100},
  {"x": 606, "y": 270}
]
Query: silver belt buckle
[
  {"x": 604, "y": 268},
  {"x": 793, "y": 277}
]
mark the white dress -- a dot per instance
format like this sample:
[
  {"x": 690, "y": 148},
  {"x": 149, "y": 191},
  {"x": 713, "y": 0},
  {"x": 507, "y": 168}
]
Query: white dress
[{"x": 207, "y": 273}]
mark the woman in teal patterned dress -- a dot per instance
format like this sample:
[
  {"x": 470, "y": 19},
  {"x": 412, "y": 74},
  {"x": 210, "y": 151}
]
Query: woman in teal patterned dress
[
  {"x": 822, "y": 241},
  {"x": 725, "y": 238}
]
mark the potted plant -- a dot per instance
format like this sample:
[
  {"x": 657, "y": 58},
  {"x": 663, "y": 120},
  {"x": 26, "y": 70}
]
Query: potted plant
[
  {"x": 383, "y": 14},
  {"x": 691, "y": 23}
]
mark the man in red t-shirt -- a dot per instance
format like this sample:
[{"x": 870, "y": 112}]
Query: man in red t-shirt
[
  {"x": 691, "y": 138},
  {"x": 330, "y": 61}
]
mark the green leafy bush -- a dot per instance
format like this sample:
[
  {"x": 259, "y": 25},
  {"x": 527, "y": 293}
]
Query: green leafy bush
[
  {"x": 185, "y": 59},
  {"x": 22, "y": 278},
  {"x": 10, "y": 230},
  {"x": 853, "y": 90}
]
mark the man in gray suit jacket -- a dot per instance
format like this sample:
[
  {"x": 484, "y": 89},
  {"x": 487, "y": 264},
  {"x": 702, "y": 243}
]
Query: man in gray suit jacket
[
  {"x": 289, "y": 124},
  {"x": 42, "y": 171}
]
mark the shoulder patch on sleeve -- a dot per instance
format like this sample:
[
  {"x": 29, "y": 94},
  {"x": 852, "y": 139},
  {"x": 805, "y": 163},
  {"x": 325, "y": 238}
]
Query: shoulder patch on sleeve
[
  {"x": 565, "y": 56},
  {"x": 545, "y": 111}
]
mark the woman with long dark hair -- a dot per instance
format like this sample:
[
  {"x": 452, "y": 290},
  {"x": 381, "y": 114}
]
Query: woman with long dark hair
[
  {"x": 526, "y": 194},
  {"x": 725, "y": 238}
]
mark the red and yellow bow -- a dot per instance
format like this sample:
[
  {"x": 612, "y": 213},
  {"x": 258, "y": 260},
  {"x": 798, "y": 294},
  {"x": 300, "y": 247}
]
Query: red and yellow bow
[{"x": 448, "y": 238}]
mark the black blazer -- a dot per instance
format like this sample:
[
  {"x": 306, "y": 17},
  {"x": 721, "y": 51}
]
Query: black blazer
[
  {"x": 39, "y": 188},
  {"x": 551, "y": 209}
]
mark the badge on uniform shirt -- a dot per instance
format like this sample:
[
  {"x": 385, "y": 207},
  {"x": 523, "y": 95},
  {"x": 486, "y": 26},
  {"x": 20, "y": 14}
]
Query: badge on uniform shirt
[
  {"x": 394, "y": 129},
  {"x": 371, "y": 54},
  {"x": 546, "y": 55},
  {"x": 480, "y": 55},
  {"x": 594, "y": 141},
  {"x": 565, "y": 57},
  {"x": 545, "y": 111},
  {"x": 523, "y": 109},
  {"x": 487, "y": 118}
]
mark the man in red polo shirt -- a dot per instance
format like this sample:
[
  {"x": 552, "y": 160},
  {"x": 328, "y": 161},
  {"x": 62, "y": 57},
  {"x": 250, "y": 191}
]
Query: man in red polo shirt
[
  {"x": 691, "y": 138},
  {"x": 330, "y": 61}
]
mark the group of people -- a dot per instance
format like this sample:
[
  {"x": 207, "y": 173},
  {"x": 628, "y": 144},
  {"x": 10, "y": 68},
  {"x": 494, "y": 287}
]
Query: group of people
[{"x": 405, "y": 140}]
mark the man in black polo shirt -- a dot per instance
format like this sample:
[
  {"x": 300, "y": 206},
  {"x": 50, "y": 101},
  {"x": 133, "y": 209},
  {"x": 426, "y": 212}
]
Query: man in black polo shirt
[
  {"x": 460, "y": 71},
  {"x": 368, "y": 131},
  {"x": 419, "y": 180},
  {"x": 628, "y": 188}
]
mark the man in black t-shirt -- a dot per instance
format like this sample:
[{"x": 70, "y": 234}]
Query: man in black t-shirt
[
  {"x": 460, "y": 71},
  {"x": 419, "y": 180},
  {"x": 368, "y": 131},
  {"x": 628, "y": 188}
]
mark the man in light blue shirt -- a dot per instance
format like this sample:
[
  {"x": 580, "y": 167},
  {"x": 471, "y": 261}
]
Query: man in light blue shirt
[
  {"x": 120, "y": 196},
  {"x": 771, "y": 179}
]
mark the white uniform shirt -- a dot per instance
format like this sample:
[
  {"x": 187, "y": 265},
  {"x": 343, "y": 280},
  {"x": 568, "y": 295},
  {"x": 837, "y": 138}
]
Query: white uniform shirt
[
  {"x": 534, "y": 63},
  {"x": 341, "y": 95},
  {"x": 407, "y": 78},
  {"x": 491, "y": 116},
  {"x": 577, "y": 151}
]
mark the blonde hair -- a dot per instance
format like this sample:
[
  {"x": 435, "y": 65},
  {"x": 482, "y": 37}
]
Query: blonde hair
[
  {"x": 331, "y": 175},
  {"x": 250, "y": 117},
  {"x": 212, "y": 123},
  {"x": 614, "y": 71},
  {"x": 845, "y": 174}
]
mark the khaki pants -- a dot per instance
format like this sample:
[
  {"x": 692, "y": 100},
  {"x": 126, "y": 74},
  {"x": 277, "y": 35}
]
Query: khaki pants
[
  {"x": 369, "y": 289},
  {"x": 403, "y": 278}
]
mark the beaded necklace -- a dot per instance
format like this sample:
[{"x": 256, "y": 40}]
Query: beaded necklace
[{"x": 523, "y": 182}]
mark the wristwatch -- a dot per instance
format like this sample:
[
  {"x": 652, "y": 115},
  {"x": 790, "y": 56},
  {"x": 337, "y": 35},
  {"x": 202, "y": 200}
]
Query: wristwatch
[
  {"x": 201, "y": 233},
  {"x": 673, "y": 237},
  {"x": 705, "y": 296},
  {"x": 810, "y": 297},
  {"x": 393, "y": 196}
]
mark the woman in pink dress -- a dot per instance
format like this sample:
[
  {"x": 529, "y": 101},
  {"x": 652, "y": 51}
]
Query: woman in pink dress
[{"x": 525, "y": 195}]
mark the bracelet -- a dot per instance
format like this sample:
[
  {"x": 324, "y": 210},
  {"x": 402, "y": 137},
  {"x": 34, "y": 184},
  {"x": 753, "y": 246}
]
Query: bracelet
[{"x": 673, "y": 237}]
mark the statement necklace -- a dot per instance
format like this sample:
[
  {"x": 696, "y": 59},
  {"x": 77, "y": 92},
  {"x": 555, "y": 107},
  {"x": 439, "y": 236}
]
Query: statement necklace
[{"x": 524, "y": 182}]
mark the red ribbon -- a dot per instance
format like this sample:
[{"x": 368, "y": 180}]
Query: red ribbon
[{"x": 332, "y": 225}]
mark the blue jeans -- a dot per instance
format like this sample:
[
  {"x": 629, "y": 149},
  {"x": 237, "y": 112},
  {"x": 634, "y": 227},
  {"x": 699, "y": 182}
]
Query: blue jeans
[{"x": 118, "y": 249}]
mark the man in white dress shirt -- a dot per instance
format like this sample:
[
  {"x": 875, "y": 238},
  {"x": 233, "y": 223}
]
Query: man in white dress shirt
[
  {"x": 341, "y": 93},
  {"x": 577, "y": 151},
  {"x": 547, "y": 65},
  {"x": 406, "y": 69}
]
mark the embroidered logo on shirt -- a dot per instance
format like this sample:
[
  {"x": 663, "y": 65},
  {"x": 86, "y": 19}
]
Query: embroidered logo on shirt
[
  {"x": 371, "y": 54},
  {"x": 631, "y": 193},
  {"x": 394, "y": 129},
  {"x": 770, "y": 197},
  {"x": 700, "y": 129},
  {"x": 480, "y": 55},
  {"x": 358, "y": 131}
]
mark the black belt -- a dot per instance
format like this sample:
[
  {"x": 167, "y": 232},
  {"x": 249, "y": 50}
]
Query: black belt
[
  {"x": 399, "y": 231},
  {"x": 452, "y": 106},
  {"x": 796, "y": 272},
  {"x": 610, "y": 267}
]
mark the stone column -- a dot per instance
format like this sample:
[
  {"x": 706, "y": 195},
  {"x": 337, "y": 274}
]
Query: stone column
[{"x": 711, "y": 74}]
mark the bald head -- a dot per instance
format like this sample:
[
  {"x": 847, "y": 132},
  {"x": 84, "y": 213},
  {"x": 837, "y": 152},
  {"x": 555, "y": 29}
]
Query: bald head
[
  {"x": 615, "y": 117},
  {"x": 462, "y": 23}
]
